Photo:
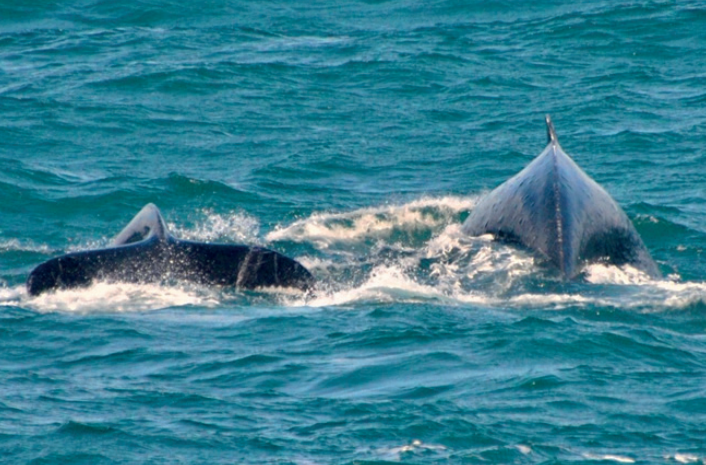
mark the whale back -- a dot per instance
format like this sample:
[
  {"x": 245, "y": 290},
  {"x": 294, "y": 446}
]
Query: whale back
[{"x": 555, "y": 209}]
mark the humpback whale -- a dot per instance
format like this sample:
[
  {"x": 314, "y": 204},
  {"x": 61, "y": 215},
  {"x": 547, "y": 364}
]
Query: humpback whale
[
  {"x": 145, "y": 252},
  {"x": 556, "y": 210}
]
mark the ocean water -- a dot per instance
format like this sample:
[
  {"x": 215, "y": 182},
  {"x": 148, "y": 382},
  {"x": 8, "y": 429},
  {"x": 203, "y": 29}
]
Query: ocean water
[{"x": 355, "y": 137}]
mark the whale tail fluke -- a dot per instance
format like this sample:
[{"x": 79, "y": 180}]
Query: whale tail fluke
[
  {"x": 147, "y": 223},
  {"x": 145, "y": 252}
]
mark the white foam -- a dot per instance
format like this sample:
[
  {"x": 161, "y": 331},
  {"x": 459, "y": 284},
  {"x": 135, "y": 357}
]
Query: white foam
[
  {"x": 386, "y": 283},
  {"x": 362, "y": 258},
  {"x": 660, "y": 293},
  {"x": 461, "y": 270},
  {"x": 549, "y": 300},
  {"x": 316, "y": 263},
  {"x": 610, "y": 457},
  {"x": 11, "y": 296},
  {"x": 684, "y": 458},
  {"x": 485, "y": 255},
  {"x": 524, "y": 449},
  {"x": 324, "y": 229},
  {"x": 396, "y": 453},
  {"x": 679, "y": 295},
  {"x": 88, "y": 245},
  {"x": 15, "y": 245},
  {"x": 118, "y": 297},
  {"x": 449, "y": 239},
  {"x": 511, "y": 261},
  {"x": 610, "y": 274}
]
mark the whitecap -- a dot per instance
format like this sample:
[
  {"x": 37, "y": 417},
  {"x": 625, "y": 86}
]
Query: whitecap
[{"x": 610, "y": 457}]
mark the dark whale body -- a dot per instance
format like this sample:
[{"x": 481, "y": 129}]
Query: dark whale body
[
  {"x": 553, "y": 208},
  {"x": 144, "y": 252}
]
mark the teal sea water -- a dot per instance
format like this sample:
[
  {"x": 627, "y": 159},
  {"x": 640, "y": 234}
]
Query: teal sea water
[{"x": 355, "y": 137}]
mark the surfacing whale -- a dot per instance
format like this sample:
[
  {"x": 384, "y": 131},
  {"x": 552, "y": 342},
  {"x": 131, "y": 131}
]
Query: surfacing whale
[
  {"x": 145, "y": 252},
  {"x": 553, "y": 208}
]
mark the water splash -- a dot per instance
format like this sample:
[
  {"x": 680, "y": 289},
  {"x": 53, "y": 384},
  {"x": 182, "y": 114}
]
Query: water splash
[
  {"x": 412, "y": 252},
  {"x": 231, "y": 227},
  {"x": 328, "y": 229},
  {"x": 111, "y": 298},
  {"x": 15, "y": 245},
  {"x": 437, "y": 262}
]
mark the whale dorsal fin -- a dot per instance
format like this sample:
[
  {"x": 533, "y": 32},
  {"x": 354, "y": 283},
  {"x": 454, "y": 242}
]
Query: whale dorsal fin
[
  {"x": 146, "y": 224},
  {"x": 551, "y": 134}
]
